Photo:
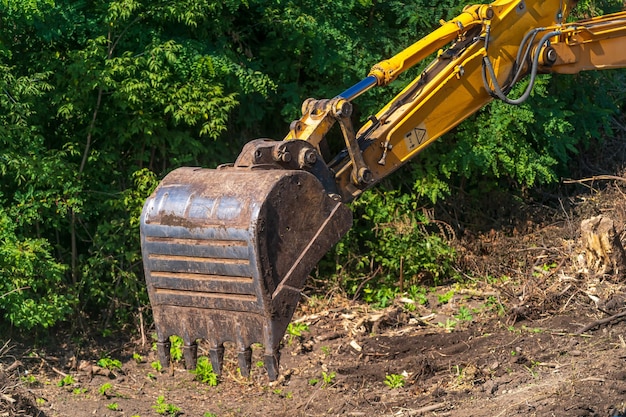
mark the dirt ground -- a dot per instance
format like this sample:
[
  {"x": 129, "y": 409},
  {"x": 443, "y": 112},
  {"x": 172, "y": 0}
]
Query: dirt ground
[{"x": 533, "y": 330}]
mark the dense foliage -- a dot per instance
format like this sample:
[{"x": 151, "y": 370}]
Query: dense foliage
[{"x": 98, "y": 100}]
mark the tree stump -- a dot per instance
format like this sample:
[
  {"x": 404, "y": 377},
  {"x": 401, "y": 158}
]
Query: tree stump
[{"x": 604, "y": 253}]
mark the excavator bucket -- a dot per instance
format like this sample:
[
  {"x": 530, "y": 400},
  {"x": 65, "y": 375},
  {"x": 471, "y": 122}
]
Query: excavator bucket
[{"x": 227, "y": 252}]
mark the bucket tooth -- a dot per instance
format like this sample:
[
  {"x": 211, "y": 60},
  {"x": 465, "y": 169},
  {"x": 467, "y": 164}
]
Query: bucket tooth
[
  {"x": 190, "y": 354},
  {"x": 271, "y": 366},
  {"x": 244, "y": 359},
  {"x": 217, "y": 359},
  {"x": 227, "y": 252},
  {"x": 163, "y": 352}
]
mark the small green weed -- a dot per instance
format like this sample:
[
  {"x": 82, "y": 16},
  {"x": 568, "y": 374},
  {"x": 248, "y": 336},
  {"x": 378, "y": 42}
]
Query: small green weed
[
  {"x": 29, "y": 379},
  {"x": 494, "y": 280},
  {"x": 531, "y": 370},
  {"x": 105, "y": 388},
  {"x": 445, "y": 298},
  {"x": 156, "y": 365},
  {"x": 313, "y": 382},
  {"x": 512, "y": 329},
  {"x": 110, "y": 364},
  {"x": 204, "y": 372},
  {"x": 296, "y": 329},
  {"x": 176, "y": 348},
  {"x": 137, "y": 357},
  {"x": 379, "y": 297},
  {"x": 67, "y": 380},
  {"x": 418, "y": 294},
  {"x": 464, "y": 314},
  {"x": 394, "y": 381},
  {"x": 544, "y": 269},
  {"x": 493, "y": 304},
  {"x": 449, "y": 325},
  {"x": 532, "y": 329},
  {"x": 165, "y": 409},
  {"x": 282, "y": 394},
  {"x": 79, "y": 391},
  {"x": 328, "y": 378},
  {"x": 207, "y": 414},
  {"x": 113, "y": 406}
]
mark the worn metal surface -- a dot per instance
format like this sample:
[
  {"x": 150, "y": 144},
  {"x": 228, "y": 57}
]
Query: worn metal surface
[{"x": 226, "y": 253}]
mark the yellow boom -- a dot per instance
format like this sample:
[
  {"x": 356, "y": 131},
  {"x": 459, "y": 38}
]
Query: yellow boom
[{"x": 491, "y": 48}]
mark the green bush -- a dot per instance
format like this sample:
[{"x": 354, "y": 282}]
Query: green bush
[
  {"x": 99, "y": 100},
  {"x": 391, "y": 235},
  {"x": 31, "y": 281}
]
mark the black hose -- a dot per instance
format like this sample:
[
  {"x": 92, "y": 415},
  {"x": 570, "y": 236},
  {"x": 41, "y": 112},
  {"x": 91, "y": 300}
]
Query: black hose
[{"x": 497, "y": 90}]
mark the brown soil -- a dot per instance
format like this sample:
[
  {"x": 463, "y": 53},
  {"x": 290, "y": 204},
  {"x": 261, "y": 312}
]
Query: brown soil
[{"x": 506, "y": 343}]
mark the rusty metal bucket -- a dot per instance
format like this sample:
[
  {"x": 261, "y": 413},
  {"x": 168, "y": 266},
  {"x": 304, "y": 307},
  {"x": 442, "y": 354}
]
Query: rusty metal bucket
[{"x": 226, "y": 253}]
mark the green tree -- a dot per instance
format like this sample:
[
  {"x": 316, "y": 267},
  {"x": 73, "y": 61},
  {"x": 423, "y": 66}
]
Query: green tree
[{"x": 99, "y": 100}]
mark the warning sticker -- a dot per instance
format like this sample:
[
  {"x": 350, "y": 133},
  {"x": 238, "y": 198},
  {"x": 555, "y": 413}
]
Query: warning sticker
[{"x": 414, "y": 138}]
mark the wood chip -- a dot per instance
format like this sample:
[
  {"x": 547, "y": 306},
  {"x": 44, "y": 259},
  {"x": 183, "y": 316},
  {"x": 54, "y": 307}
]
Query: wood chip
[{"x": 355, "y": 346}]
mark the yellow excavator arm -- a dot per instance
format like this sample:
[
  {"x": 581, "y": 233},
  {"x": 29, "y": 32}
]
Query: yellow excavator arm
[
  {"x": 227, "y": 251},
  {"x": 491, "y": 48}
]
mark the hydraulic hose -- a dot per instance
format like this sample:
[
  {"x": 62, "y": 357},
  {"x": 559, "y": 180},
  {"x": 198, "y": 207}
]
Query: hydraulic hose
[{"x": 497, "y": 89}]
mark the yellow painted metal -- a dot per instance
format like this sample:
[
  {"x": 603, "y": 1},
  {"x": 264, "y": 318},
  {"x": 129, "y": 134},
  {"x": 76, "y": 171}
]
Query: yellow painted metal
[
  {"x": 388, "y": 70},
  {"x": 452, "y": 88},
  {"x": 598, "y": 43}
]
